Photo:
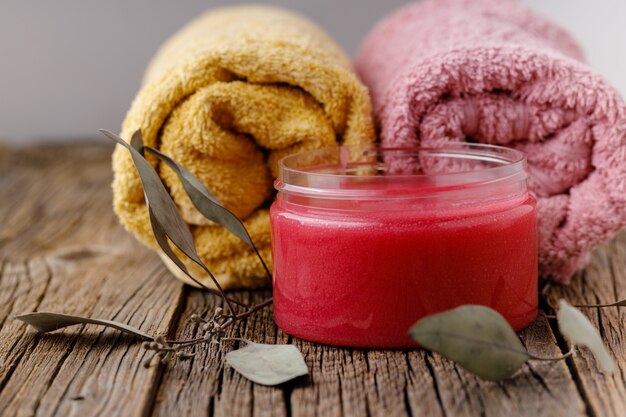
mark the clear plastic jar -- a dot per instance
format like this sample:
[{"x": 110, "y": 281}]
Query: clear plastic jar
[{"x": 368, "y": 240}]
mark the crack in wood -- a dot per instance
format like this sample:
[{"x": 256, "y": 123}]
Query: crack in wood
[
  {"x": 539, "y": 378},
  {"x": 180, "y": 305},
  {"x": 571, "y": 366},
  {"x": 427, "y": 360},
  {"x": 35, "y": 339}
]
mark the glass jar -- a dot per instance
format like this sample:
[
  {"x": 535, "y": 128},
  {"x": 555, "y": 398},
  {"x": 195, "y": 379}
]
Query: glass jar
[{"x": 367, "y": 240}]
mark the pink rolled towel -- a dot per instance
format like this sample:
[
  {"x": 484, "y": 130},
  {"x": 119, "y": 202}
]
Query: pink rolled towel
[{"x": 492, "y": 71}]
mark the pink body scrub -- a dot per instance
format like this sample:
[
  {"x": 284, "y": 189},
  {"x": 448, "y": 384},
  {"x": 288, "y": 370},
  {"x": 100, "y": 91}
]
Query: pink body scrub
[{"x": 367, "y": 240}]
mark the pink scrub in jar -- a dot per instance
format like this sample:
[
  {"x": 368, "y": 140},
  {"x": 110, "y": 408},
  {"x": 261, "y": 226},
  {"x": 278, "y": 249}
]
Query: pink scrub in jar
[{"x": 368, "y": 240}]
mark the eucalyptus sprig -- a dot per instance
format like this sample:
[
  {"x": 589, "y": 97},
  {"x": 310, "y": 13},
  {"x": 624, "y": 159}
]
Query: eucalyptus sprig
[
  {"x": 264, "y": 364},
  {"x": 481, "y": 340},
  {"x": 208, "y": 205},
  {"x": 167, "y": 223}
]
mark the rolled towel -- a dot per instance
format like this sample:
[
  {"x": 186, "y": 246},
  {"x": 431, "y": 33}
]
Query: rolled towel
[
  {"x": 493, "y": 71},
  {"x": 227, "y": 96}
]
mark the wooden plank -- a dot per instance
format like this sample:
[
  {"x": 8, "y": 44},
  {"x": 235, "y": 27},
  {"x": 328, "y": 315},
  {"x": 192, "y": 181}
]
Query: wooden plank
[
  {"x": 539, "y": 389},
  {"x": 62, "y": 250},
  {"x": 604, "y": 281}
]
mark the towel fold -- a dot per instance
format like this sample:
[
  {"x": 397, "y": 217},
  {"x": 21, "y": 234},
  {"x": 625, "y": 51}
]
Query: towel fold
[
  {"x": 493, "y": 71},
  {"x": 227, "y": 96}
]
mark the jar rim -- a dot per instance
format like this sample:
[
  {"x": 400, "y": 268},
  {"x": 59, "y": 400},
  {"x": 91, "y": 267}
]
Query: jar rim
[{"x": 349, "y": 171}]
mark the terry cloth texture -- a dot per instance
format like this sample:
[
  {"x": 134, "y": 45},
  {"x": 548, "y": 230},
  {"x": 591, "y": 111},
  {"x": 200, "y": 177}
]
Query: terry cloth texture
[
  {"x": 227, "y": 97},
  {"x": 492, "y": 71}
]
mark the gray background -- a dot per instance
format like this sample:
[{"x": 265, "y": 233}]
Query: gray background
[{"x": 68, "y": 67}]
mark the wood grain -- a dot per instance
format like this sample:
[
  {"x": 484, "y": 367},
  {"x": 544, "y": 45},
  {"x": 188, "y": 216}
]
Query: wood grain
[
  {"x": 61, "y": 249},
  {"x": 603, "y": 281}
]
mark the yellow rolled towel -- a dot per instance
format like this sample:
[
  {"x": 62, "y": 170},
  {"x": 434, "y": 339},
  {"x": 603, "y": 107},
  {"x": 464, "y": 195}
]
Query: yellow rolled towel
[{"x": 227, "y": 96}]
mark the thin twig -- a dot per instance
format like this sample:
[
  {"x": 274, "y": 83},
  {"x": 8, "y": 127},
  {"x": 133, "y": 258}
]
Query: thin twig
[
  {"x": 267, "y": 270},
  {"x": 598, "y": 305},
  {"x": 233, "y": 313},
  {"x": 180, "y": 342},
  {"x": 556, "y": 358},
  {"x": 230, "y": 321}
]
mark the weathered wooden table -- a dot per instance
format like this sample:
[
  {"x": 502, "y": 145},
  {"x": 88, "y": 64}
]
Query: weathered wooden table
[{"x": 61, "y": 249}]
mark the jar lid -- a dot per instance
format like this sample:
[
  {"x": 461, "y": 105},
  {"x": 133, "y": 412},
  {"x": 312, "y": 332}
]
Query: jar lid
[{"x": 375, "y": 172}]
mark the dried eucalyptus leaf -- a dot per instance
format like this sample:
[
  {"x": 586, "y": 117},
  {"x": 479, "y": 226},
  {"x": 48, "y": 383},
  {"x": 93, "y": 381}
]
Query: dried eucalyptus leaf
[
  {"x": 476, "y": 337},
  {"x": 268, "y": 364},
  {"x": 162, "y": 209},
  {"x": 165, "y": 219},
  {"x": 48, "y": 322},
  {"x": 186, "y": 177},
  {"x": 158, "y": 200},
  {"x": 161, "y": 237},
  {"x": 204, "y": 200},
  {"x": 577, "y": 328},
  {"x": 136, "y": 141},
  {"x": 206, "y": 203}
]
